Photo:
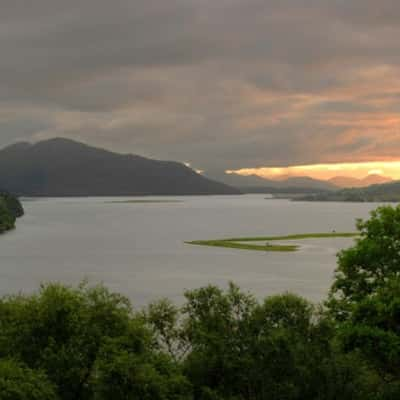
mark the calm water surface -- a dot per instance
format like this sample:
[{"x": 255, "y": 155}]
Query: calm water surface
[{"x": 138, "y": 249}]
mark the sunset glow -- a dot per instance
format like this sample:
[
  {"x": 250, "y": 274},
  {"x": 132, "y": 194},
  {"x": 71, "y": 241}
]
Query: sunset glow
[{"x": 390, "y": 169}]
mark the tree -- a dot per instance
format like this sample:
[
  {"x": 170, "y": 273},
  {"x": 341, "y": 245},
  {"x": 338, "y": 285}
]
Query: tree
[
  {"x": 7, "y": 219},
  {"x": 17, "y": 382},
  {"x": 370, "y": 263},
  {"x": 373, "y": 329},
  {"x": 365, "y": 298},
  {"x": 280, "y": 349},
  {"x": 65, "y": 332},
  {"x": 121, "y": 373},
  {"x": 13, "y": 204}
]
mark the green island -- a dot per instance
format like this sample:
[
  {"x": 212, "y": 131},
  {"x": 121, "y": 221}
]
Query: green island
[
  {"x": 237, "y": 242},
  {"x": 143, "y": 201},
  {"x": 10, "y": 210}
]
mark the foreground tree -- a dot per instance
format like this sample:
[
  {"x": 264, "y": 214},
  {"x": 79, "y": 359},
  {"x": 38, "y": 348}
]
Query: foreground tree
[
  {"x": 372, "y": 261},
  {"x": 87, "y": 343},
  {"x": 237, "y": 348},
  {"x": 365, "y": 298},
  {"x": 17, "y": 382},
  {"x": 7, "y": 219},
  {"x": 373, "y": 330},
  {"x": 79, "y": 338}
]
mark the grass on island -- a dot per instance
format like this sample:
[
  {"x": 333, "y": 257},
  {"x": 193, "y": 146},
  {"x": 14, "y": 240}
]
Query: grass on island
[
  {"x": 244, "y": 246},
  {"x": 294, "y": 237},
  {"x": 237, "y": 243},
  {"x": 143, "y": 201}
]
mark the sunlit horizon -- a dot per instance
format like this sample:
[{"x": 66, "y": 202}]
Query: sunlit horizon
[{"x": 357, "y": 170}]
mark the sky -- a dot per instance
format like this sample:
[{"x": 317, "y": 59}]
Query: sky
[
  {"x": 219, "y": 84},
  {"x": 358, "y": 170}
]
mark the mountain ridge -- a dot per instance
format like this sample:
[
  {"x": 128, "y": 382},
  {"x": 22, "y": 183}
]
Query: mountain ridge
[
  {"x": 257, "y": 183},
  {"x": 349, "y": 182},
  {"x": 64, "y": 167}
]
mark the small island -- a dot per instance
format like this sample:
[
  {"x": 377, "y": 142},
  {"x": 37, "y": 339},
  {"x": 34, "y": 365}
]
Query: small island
[
  {"x": 245, "y": 243},
  {"x": 10, "y": 210},
  {"x": 144, "y": 201}
]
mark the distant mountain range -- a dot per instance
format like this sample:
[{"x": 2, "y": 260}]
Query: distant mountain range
[
  {"x": 62, "y": 167},
  {"x": 348, "y": 182},
  {"x": 254, "y": 183}
]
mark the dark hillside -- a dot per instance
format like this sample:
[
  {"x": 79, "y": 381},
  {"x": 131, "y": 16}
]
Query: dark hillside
[{"x": 62, "y": 167}]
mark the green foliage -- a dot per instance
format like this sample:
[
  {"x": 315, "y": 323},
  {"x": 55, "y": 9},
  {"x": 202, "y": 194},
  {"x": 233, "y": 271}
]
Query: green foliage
[
  {"x": 373, "y": 329},
  {"x": 164, "y": 320},
  {"x": 374, "y": 259},
  {"x": 7, "y": 220},
  {"x": 123, "y": 374},
  {"x": 244, "y": 246},
  {"x": 237, "y": 348},
  {"x": 365, "y": 298},
  {"x": 17, "y": 382},
  {"x": 88, "y": 343},
  {"x": 10, "y": 209},
  {"x": 77, "y": 337},
  {"x": 13, "y": 204}
]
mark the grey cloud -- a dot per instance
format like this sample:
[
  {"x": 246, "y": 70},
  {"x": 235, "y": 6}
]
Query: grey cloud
[{"x": 222, "y": 84}]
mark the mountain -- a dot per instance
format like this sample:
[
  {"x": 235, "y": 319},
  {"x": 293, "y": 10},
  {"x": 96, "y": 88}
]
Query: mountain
[
  {"x": 239, "y": 181},
  {"x": 375, "y": 179},
  {"x": 63, "y": 167},
  {"x": 256, "y": 184},
  {"x": 348, "y": 182},
  {"x": 345, "y": 181},
  {"x": 305, "y": 181},
  {"x": 387, "y": 192}
]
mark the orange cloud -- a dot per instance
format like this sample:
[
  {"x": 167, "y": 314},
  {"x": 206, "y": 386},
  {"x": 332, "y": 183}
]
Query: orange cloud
[{"x": 326, "y": 171}]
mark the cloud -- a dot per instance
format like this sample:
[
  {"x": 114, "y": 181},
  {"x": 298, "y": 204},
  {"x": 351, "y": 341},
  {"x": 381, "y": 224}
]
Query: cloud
[
  {"x": 222, "y": 84},
  {"x": 390, "y": 169}
]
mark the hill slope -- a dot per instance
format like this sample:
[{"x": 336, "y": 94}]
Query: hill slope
[{"x": 62, "y": 167}]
